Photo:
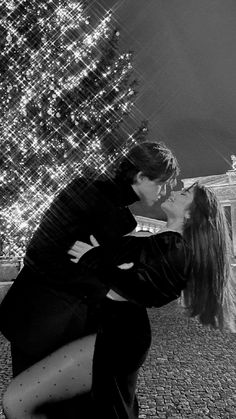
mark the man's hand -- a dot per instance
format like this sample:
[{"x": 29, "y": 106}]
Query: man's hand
[
  {"x": 80, "y": 248},
  {"x": 93, "y": 241}
]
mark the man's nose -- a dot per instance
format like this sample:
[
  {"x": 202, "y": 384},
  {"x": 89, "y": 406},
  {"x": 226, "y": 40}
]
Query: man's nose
[{"x": 163, "y": 190}]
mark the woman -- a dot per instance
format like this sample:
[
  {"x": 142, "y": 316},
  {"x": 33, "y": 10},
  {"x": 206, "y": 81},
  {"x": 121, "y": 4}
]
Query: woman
[{"x": 192, "y": 254}]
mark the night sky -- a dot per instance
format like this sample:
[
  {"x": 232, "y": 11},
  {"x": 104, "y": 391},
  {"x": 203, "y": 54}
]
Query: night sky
[{"x": 185, "y": 61}]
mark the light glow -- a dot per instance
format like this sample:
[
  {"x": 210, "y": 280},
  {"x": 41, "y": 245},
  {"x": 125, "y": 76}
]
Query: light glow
[{"x": 64, "y": 92}]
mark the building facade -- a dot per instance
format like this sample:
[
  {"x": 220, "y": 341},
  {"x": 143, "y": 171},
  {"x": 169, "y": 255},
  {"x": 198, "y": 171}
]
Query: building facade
[{"x": 147, "y": 226}]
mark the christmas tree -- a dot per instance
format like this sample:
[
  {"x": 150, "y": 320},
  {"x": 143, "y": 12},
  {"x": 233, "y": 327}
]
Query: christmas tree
[{"x": 65, "y": 91}]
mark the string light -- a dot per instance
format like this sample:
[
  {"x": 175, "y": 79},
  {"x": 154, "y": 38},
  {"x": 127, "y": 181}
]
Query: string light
[{"x": 62, "y": 94}]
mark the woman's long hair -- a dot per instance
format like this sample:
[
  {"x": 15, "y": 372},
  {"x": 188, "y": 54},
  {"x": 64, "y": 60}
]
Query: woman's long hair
[{"x": 210, "y": 293}]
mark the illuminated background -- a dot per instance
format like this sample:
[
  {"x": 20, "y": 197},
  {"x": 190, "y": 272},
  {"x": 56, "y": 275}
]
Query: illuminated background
[{"x": 184, "y": 59}]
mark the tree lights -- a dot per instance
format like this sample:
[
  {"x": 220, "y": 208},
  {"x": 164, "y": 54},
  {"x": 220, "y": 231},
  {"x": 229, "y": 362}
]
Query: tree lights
[{"x": 64, "y": 90}]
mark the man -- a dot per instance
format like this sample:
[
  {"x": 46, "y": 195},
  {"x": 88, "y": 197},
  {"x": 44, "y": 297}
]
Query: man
[{"x": 50, "y": 304}]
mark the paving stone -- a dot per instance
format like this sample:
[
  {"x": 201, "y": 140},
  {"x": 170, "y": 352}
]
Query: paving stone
[
  {"x": 190, "y": 372},
  {"x": 198, "y": 364}
]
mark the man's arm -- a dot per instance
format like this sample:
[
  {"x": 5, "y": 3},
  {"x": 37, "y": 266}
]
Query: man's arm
[{"x": 158, "y": 275}]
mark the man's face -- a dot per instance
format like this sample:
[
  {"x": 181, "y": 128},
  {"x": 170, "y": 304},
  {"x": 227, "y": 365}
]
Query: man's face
[{"x": 149, "y": 191}]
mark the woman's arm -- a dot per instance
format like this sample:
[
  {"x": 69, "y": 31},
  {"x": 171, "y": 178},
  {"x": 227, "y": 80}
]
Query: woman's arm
[{"x": 161, "y": 267}]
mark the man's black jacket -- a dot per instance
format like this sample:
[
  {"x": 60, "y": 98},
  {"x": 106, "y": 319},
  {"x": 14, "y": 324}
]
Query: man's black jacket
[
  {"x": 42, "y": 310},
  {"x": 84, "y": 208}
]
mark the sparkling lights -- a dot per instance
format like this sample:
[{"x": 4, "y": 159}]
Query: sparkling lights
[{"x": 64, "y": 92}]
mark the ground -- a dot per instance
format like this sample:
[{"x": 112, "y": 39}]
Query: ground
[{"x": 190, "y": 372}]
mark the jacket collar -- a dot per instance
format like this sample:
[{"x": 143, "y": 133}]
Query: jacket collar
[
  {"x": 119, "y": 191},
  {"x": 125, "y": 193}
]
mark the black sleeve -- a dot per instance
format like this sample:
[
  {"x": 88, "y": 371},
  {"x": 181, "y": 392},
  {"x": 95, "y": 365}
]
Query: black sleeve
[{"x": 162, "y": 265}]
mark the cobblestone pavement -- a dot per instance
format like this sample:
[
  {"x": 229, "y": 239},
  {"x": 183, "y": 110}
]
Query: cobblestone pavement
[{"x": 190, "y": 371}]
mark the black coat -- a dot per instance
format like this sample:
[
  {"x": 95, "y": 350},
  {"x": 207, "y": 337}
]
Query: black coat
[
  {"x": 162, "y": 265},
  {"x": 47, "y": 306}
]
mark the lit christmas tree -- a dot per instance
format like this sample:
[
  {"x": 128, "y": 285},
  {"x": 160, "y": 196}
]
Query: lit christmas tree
[{"x": 65, "y": 90}]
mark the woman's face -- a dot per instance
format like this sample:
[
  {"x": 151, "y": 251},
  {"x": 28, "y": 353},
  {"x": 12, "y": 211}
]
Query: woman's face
[{"x": 178, "y": 203}]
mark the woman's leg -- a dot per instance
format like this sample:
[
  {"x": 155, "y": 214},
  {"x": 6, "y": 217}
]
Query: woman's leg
[{"x": 63, "y": 374}]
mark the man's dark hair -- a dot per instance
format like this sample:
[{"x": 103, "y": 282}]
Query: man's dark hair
[{"x": 154, "y": 160}]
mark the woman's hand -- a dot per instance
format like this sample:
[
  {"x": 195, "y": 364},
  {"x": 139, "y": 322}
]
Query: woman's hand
[
  {"x": 80, "y": 248},
  {"x": 126, "y": 265}
]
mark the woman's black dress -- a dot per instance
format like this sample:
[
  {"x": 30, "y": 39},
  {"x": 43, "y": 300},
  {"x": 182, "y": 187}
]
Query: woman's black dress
[{"x": 162, "y": 265}]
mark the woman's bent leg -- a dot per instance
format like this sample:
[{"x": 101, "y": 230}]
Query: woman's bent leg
[{"x": 62, "y": 375}]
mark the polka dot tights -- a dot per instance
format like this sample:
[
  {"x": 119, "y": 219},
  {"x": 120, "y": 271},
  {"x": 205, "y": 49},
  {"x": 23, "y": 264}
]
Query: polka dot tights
[{"x": 62, "y": 375}]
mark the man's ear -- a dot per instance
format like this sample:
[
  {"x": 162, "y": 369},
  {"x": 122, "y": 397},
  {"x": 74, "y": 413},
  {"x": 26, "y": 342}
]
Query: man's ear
[{"x": 139, "y": 177}]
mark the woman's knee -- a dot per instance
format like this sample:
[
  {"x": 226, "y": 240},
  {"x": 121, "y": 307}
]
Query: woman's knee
[
  {"x": 9, "y": 405},
  {"x": 15, "y": 403}
]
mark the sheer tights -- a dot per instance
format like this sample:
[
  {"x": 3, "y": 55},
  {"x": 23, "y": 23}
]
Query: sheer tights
[{"x": 62, "y": 375}]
